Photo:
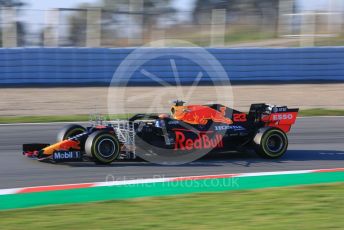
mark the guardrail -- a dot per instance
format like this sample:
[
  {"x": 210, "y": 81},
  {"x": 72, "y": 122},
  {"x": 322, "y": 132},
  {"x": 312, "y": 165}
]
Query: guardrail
[{"x": 96, "y": 66}]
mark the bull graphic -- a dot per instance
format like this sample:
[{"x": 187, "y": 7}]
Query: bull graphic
[{"x": 199, "y": 114}]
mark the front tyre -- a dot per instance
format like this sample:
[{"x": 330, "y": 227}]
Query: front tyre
[
  {"x": 270, "y": 143},
  {"x": 69, "y": 131},
  {"x": 102, "y": 147}
]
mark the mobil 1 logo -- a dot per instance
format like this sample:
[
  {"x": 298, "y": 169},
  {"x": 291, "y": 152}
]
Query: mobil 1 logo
[{"x": 62, "y": 156}]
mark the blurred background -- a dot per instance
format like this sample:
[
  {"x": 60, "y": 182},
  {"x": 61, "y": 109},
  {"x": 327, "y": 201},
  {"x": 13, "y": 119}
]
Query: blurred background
[
  {"x": 126, "y": 23},
  {"x": 81, "y": 43}
]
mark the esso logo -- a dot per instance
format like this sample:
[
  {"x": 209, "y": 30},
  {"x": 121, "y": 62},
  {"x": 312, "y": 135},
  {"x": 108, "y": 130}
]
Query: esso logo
[{"x": 286, "y": 116}]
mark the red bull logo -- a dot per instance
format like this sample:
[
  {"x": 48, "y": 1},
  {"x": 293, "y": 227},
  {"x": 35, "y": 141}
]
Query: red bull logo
[
  {"x": 199, "y": 114},
  {"x": 202, "y": 141}
]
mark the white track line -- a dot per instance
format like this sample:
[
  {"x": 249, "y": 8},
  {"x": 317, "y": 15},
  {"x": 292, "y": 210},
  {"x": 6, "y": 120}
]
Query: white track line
[{"x": 156, "y": 180}]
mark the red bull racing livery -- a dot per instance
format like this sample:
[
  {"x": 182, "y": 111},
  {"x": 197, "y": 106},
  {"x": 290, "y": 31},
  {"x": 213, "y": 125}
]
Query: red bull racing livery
[{"x": 188, "y": 128}]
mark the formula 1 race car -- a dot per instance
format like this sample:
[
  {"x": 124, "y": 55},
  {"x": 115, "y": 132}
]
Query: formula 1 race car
[{"x": 189, "y": 128}]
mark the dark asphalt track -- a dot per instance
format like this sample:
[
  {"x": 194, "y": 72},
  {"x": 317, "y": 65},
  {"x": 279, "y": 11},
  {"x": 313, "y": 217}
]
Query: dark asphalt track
[{"x": 314, "y": 143}]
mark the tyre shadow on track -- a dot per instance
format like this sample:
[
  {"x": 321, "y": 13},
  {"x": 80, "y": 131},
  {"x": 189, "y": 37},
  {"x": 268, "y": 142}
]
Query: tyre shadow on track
[{"x": 245, "y": 159}]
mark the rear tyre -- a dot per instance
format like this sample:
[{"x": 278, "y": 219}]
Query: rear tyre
[
  {"x": 271, "y": 143},
  {"x": 69, "y": 131},
  {"x": 102, "y": 147}
]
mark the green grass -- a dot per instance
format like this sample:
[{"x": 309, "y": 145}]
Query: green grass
[
  {"x": 321, "y": 112},
  {"x": 307, "y": 207},
  {"x": 71, "y": 118},
  {"x": 330, "y": 41},
  {"x": 247, "y": 36}
]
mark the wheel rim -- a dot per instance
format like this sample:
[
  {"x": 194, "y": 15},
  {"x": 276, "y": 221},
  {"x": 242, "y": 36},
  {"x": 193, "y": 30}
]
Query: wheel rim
[
  {"x": 274, "y": 143},
  {"x": 106, "y": 148}
]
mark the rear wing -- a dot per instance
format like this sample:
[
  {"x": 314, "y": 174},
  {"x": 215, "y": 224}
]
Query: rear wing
[{"x": 280, "y": 117}]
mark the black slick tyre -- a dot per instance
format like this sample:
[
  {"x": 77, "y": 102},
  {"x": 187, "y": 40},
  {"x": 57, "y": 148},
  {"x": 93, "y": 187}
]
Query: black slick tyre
[
  {"x": 69, "y": 131},
  {"x": 103, "y": 147},
  {"x": 270, "y": 143}
]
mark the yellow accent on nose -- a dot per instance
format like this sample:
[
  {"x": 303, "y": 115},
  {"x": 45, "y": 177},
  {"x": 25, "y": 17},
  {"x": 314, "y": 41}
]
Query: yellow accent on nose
[{"x": 51, "y": 148}]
